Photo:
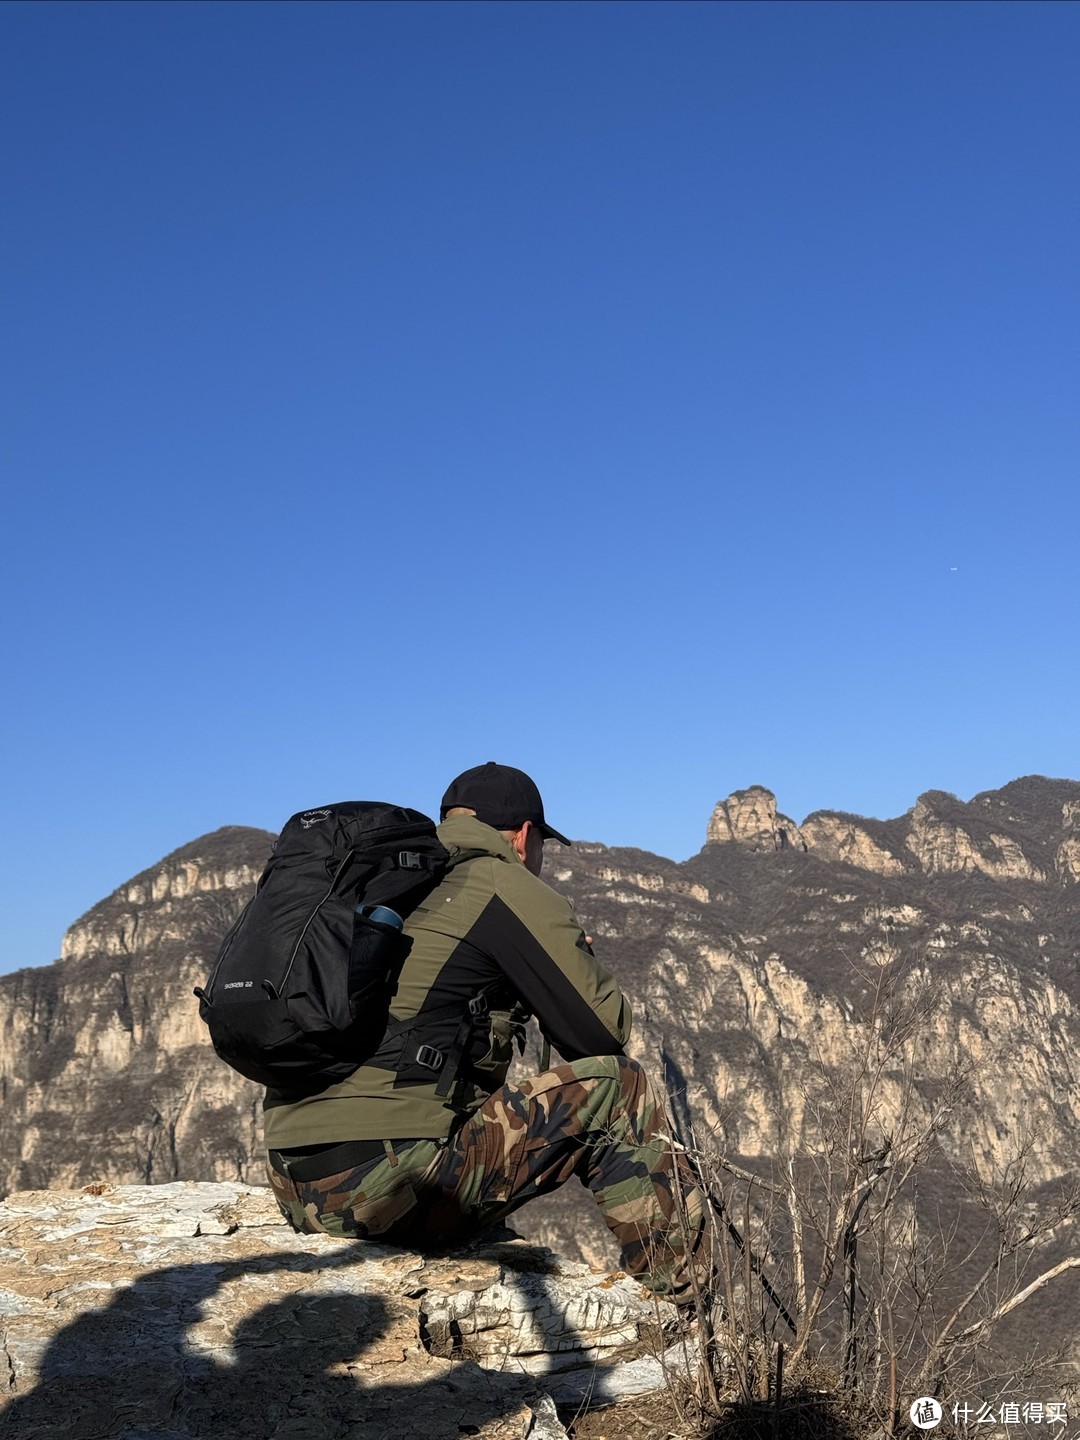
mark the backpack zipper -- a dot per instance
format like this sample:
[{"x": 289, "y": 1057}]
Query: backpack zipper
[
  {"x": 208, "y": 994},
  {"x": 268, "y": 985}
]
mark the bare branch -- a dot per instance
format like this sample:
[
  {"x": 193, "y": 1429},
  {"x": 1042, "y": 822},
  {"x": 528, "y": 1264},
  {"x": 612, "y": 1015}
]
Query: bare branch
[
  {"x": 1007, "y": 1306},
  {"x": 749, "y": 1176}
]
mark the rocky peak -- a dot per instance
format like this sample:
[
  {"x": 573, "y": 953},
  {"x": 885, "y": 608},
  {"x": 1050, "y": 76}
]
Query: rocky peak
[
  {"x": 834, "y": 836},
  {"x": 221, "y": 866},
  {"x": 946, "y": 838},
  {"x": 1028, "y": 830},
  {"x": 750, "y": 818}
]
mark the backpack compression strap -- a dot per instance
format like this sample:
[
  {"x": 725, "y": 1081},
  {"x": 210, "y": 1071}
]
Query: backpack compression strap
[{"x": 446, "y": 1062}]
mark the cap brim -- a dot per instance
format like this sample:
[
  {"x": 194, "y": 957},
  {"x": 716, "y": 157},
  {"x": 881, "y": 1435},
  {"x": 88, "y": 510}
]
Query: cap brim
[{"x": 550, "y": 834}]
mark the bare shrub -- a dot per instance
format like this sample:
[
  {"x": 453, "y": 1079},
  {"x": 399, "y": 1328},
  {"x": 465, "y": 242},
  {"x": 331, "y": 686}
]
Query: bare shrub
[{"x": 862, "y": 1260}]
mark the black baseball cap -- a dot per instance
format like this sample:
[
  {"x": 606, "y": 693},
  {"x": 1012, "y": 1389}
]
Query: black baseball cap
[{"x": 502, "y": 797}]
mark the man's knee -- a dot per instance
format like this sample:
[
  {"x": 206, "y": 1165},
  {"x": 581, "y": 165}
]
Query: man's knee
[
  {"x": 631, "y": 1081},
  {"x": 601, "y": 1087}
]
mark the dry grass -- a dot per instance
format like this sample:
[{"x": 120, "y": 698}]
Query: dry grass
[{"x": 806, "y": 1413}]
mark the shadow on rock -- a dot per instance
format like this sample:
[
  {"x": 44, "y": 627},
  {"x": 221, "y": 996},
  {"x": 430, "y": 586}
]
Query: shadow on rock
[{"x": 188, "y": 1353}]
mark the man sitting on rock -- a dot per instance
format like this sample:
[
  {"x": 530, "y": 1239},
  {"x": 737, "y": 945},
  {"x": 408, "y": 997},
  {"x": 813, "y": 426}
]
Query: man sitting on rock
[{"x": 426, "y": 1145}]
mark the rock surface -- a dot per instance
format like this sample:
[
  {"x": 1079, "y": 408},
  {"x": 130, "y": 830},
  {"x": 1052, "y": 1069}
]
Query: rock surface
[{"x": 191, "y": 1311}]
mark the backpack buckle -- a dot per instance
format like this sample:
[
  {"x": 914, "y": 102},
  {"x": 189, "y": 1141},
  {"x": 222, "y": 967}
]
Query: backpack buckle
[
  {"x": 430, "y": 1058},
  {"x": 409, "y": 860},
  {"x": 478, "y": 1007}
]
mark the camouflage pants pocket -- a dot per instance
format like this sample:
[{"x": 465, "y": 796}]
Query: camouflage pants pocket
[{"x": 358, "y": 1204}]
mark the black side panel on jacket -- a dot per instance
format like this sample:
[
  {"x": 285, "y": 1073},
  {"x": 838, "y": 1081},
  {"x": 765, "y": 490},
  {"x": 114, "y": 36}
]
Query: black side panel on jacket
[{"x": 564, "y": 1016}]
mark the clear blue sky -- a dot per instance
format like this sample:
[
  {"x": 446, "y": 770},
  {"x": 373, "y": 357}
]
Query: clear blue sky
[{"x": 663, "y": 398}]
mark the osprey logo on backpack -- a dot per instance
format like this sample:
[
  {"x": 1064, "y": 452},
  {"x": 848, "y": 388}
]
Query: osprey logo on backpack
[
  {"x": 312, "y": 817},
  {"x": 299, "y": 995}
]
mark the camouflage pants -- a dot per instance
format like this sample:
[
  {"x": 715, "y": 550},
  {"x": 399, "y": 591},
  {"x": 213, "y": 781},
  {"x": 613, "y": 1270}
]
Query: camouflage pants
[{"x": 596, "y": 1118}]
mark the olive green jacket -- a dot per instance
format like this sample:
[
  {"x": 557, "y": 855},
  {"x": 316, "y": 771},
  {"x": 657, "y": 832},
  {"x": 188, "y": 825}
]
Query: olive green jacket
[{"x": 489, "y": 928}]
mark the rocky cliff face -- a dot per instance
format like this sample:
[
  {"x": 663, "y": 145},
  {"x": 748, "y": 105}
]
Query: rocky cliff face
[
  {"x": 753, "y": 969},
  {"x": 103, "y": 1059}
]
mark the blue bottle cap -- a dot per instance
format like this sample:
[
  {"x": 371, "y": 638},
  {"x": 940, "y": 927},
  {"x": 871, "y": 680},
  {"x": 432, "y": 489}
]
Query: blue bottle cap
[{"x": 382, "y": 915}]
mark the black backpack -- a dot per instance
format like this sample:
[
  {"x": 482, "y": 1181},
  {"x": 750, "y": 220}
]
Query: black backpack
[{"x": 300, "y": 992}]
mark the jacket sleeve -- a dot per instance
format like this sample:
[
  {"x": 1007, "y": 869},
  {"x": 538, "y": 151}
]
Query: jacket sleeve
[{"x": 534, "y": 937}]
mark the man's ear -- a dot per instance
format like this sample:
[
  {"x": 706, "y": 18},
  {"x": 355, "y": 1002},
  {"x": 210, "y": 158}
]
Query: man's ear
[{"x": 519, "y": 838}]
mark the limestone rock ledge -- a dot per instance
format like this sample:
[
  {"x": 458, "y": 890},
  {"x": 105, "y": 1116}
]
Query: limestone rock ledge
[{"x": 190, "y": 1311}]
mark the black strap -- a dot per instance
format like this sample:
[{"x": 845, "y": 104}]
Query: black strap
[
  {"x": 400, "y": 1034},
  {"x": 452, "y": 1065},
  {"x": 404, "y": 1044},
  {"x": 318, "y": 1161}
]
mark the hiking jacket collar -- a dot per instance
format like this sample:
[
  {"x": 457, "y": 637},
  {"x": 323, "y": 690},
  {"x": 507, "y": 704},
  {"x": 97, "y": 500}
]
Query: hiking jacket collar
[{"x": 466, "y": 837}]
